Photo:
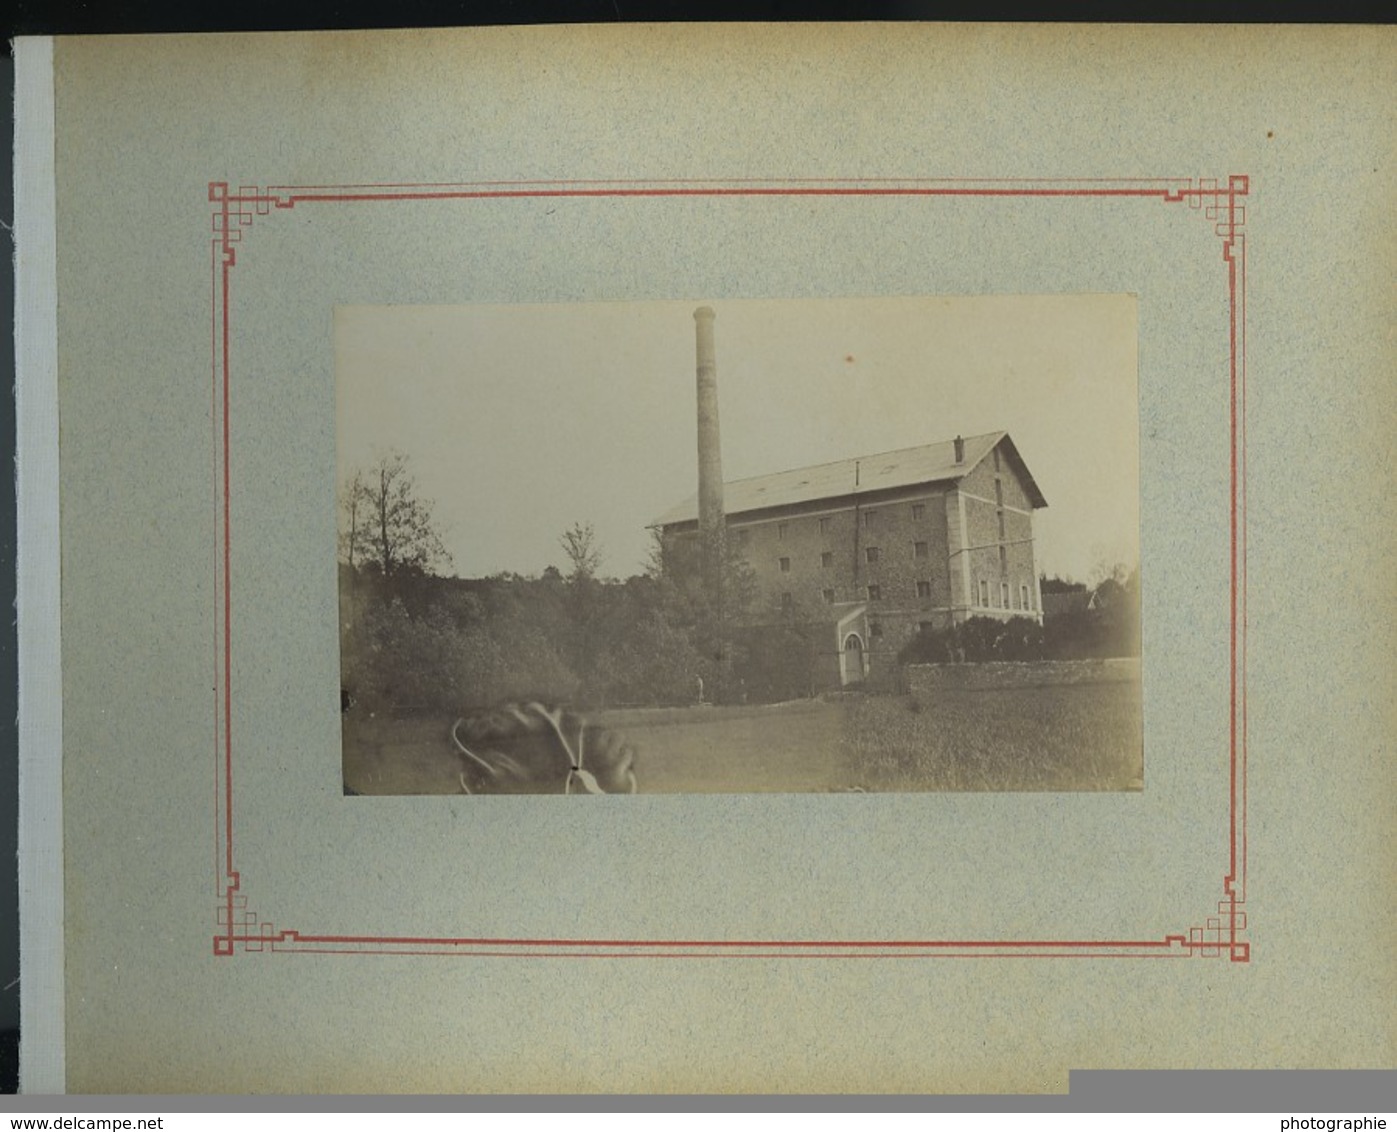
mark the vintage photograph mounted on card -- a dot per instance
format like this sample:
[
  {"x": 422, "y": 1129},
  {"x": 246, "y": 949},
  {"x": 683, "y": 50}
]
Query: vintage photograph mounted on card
[
  {"x": 434, "y": 293},
  {"x": 744, "y": 546}
]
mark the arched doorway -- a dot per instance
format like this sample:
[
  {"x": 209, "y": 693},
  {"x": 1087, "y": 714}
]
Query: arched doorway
[{"x": 851, "y": 669}]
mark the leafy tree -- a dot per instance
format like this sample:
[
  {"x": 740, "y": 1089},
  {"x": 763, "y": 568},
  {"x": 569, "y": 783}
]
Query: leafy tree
[
  {"x": 1107, "y": 626},
  {"x": 774, "y": 662},
  {"x": 1105, "y": 571},
  {"x": 386, "y": 524},
  {"x": 715, "y": 621},
  {"x": 579, "y": 543},
  {"x": 1117, "y": 613}
]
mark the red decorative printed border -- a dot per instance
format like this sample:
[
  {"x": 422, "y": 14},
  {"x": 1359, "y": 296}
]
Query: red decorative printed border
[{"x": 239, "y": 928}]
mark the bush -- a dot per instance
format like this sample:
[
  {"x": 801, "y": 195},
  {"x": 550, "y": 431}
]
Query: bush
[
  {"x": 443, "y": 645},
  {"x": 649, "y": 661},
  {"x": 776, "y": 665},
  {"x": 977, "y": 640},
  {"x": 397, "y": 663}
]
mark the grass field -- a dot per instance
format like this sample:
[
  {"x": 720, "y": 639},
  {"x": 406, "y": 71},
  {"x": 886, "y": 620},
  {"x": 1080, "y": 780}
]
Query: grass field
[
  {"x": 1064, "y": 737},
  {"x": 1069, "y": 737},
  {"x": 791, "y": 748}
]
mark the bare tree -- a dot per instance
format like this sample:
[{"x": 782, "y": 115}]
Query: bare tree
[
  {"x": 351, "y": 517},
  {"x": 387, "y": 523},
  {"x": 579, "y": 543}
]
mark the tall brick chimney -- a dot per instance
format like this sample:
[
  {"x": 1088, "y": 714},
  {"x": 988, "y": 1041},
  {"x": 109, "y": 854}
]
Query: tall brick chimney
[{"x": 710, "y": 458}]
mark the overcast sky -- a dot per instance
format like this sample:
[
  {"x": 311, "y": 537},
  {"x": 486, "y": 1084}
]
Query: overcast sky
[{"x": 520, "y": 420}]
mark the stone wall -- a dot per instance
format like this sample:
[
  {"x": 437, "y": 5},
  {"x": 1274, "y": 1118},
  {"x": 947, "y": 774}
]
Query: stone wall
[
  {"x": 999, "y": 526},
  {"x": 894, "y": 526}
]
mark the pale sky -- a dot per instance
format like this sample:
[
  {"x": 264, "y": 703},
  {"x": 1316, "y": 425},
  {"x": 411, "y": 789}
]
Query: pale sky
[{"x": 520, "y": 420}]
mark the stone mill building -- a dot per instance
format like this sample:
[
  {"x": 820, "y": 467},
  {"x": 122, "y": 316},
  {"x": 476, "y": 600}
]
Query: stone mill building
[{"x": 864, "y": 553}]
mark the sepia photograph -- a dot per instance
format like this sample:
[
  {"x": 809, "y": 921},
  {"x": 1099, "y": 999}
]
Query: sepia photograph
[{"x": 751, "y": 546}]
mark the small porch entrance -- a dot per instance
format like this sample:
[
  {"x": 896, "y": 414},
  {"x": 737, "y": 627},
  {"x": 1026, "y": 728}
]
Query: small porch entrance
[{"x": 851, "y": 661}]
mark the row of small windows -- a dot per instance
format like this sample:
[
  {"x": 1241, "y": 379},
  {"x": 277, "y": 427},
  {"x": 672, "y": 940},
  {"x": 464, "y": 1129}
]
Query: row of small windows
[
  {"x": 869, "y": 520},
  {"x": 1025, "y": 600},
  {"x": 918, "y": 511},
  {"x": 871, "y": 554},
  {"x": 873, "y": 593},
  {"x": 983, "y": 593}
]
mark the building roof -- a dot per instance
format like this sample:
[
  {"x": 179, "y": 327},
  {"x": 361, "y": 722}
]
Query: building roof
[
  {"x": 1067, "y": 602},
  {"x": 905, "y": 467},
  {"x": 840, "y": 614}
]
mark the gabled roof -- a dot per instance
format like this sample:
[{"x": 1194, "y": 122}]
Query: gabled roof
[
  {"x": 905, "y": 467},
  {"x": 1067, "y": 602}
]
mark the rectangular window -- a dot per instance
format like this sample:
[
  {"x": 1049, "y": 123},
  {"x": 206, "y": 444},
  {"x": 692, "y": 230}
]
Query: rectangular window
[
  {"x": 824, "y": 525},
  {"x": 1003, "y": 595},
  {"x": 785, "y": 565},
  {"x": 786, "y": 603},
  {"x": 1003, "y": 560},
  {"x": 875, "y": 593},
  {"x": 1001, "y": 526},
  {"x": 919, "y": 510},
  {"x": 870, "y": 553},
  {"x": 826, "y": 560},
  {"x": 924, "y": 590},
  {"x": 868, "y": 518},
  {"x": 1023, "y": 598},
  {"x": 828, "y": 595},
  {"x": 875, "y": 628},
  {"x": 984, "y": 594},
  {"x": 919, "y": 550},
  {"x": 999, "y": 493},
  {"x": 781, "y": 530}
]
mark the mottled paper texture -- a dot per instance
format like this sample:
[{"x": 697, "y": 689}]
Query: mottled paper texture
[{"x": 211, "y": 858}]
